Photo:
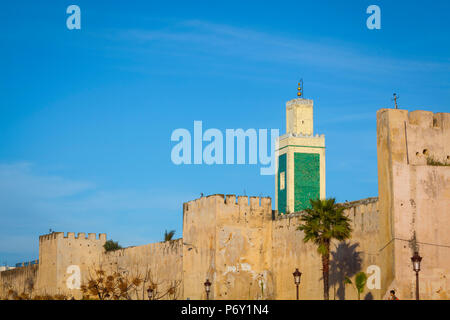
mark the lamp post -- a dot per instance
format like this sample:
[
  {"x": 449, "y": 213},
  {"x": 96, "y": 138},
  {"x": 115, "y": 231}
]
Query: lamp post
[
  {"x": 150, "y": 293},
  {"x": 297, "y": 274},
  {"x": 415, "y": 259},
  {"x": 207, "y": 285}
]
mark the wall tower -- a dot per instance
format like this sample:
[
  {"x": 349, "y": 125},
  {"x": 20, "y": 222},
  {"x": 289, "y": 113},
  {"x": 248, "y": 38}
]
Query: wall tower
[{"x": 300, "y": 158}]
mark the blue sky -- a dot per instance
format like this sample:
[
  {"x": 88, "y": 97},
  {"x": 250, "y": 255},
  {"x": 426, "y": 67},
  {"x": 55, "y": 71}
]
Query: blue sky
[{"x": 86, "y": 115}]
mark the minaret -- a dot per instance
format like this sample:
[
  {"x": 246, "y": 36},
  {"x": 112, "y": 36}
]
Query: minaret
[{"x": 300, "y": 159}]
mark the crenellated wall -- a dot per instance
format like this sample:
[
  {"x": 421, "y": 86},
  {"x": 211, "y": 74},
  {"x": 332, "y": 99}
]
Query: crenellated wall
[
  {"x": 18, "y": 280},
  {"x": 227, "y": 241},
  {"x": 249, "y": 252},
  {"x": 347, "y": 258},
  {"x": 158, "y": 264},
  {"x": 414, "y": 200},
  {"x": 243, "y": 258},
  {"x": 58, "y": 251}
]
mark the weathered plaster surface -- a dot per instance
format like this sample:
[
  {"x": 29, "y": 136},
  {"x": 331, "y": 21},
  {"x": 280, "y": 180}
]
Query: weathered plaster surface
[{"x": 414, "y": 200}]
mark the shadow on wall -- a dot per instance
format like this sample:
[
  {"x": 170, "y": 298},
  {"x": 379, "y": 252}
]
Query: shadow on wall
[
  {"x": 345, "y": 262},
  {"x": 369, "y": 296}
]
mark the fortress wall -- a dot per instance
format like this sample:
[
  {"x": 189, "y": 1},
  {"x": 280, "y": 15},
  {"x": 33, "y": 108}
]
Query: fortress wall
[
  {"x": 226, "y": 240},
  {"x": 57, "y": 252},
  {"x": 347, "y": 258},
  {"x": 247, "y": 255},
  {"x": 46, "y": 280},
  {"x": 77, "y": 250},
  {"x": 19, "y": 280},
  {"x": 243, "y": 255},
  {"x": 158, "y": 264},
  {"x": 199, "y": 248},
  {"x": 415, "y": 199},
  {"x": 427, "y": 135}
]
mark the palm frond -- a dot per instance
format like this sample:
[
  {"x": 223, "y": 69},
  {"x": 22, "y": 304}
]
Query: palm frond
[
  {"x": 169, "y": 235},
  {"x": 323, "y": 222}
]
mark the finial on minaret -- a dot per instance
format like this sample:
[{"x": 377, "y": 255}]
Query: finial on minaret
[{"x": 300, "y": 89}]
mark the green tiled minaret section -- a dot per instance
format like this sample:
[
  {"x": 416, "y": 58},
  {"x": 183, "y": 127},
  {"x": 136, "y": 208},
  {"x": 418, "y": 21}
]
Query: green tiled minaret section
[
  {"x": 282, "y": 194},
  {"x": 306, "y": 179}
]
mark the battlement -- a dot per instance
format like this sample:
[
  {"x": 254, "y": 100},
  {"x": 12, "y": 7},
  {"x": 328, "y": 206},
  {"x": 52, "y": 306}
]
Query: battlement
[
  {"x": 299, "y": 101},
  {"x": 364, "y": 216},
  {"x": 71, "y": 235},
  {"x": 352, "y": 204},
  {"x": 346, "y": 205},
  {"x": 26, "y": 263},
  {"x": 228, "y": 200},
  {"x": 51, "y": 236},
  {"x": 416, "y": 137},
  {"x": 428, "y": 119},
  {"x": 300, "y": 135},
  {"x": 419, "y": 118}
]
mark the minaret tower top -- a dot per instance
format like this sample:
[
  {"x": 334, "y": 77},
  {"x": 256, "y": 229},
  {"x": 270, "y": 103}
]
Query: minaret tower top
[{"x": 299, "y": 114}]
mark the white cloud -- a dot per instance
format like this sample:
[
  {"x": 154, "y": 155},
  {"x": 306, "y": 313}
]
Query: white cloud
[
  {"x": 18, "y": 179},
  {"x": 209, "y": 38}
]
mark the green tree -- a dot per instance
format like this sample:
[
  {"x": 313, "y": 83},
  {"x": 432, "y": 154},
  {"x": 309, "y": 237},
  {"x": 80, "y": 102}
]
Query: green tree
[
  {"x": 360, "y": 282},
  {"x": 111, "y": 245},
  {"x": 322, "y": 223},
  {"x": 169, "y": 235}
]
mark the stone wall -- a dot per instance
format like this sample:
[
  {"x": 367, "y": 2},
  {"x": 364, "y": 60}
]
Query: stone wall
[
  {"x": 228, "y": 243},
  {"x": 62, "y": 256},
  {"x": 347, "y": 258},
  {"x": 18, "y": 280},
  {"x": 414, "y": 200},
  {"x": 159, "y": 264},
  {"x": 57, "y": 252},
  {"x": 248, "y": 252}
]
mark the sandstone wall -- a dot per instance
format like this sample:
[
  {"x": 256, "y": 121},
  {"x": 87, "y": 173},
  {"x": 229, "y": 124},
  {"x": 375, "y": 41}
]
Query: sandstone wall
[
  {"x": 159, "y": 264},
  {"x": 243, "y": 255},
  {"x": 414, "y": 200},
  {"x": 199, "y": 237},
  {"x": 61, "y": 257},
  {"x": 247, "y": 253},
  {"x": 227, "y": 242},
  {"x": 347, "y": 258},
  {"x": 58, "y": 252},
  {"x": 18, "y": 280}
]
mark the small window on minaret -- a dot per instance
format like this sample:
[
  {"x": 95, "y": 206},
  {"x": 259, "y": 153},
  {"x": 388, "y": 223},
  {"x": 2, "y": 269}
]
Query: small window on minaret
[{"x": 282, "y": 180}]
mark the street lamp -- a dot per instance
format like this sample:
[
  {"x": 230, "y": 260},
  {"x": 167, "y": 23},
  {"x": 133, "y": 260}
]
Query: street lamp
[
  {"x": 150, "y": 293},
  {"x": 297, "y": 274},
  {"x": 207, "y": 285},
  {"x": 415, "y": 259}
]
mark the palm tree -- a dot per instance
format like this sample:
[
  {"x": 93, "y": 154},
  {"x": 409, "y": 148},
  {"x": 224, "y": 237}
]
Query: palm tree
[
  {"x": 322, "y": 223},
  {"x": 169, "y": 235},
  {"x": 360, "y": 282}
]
